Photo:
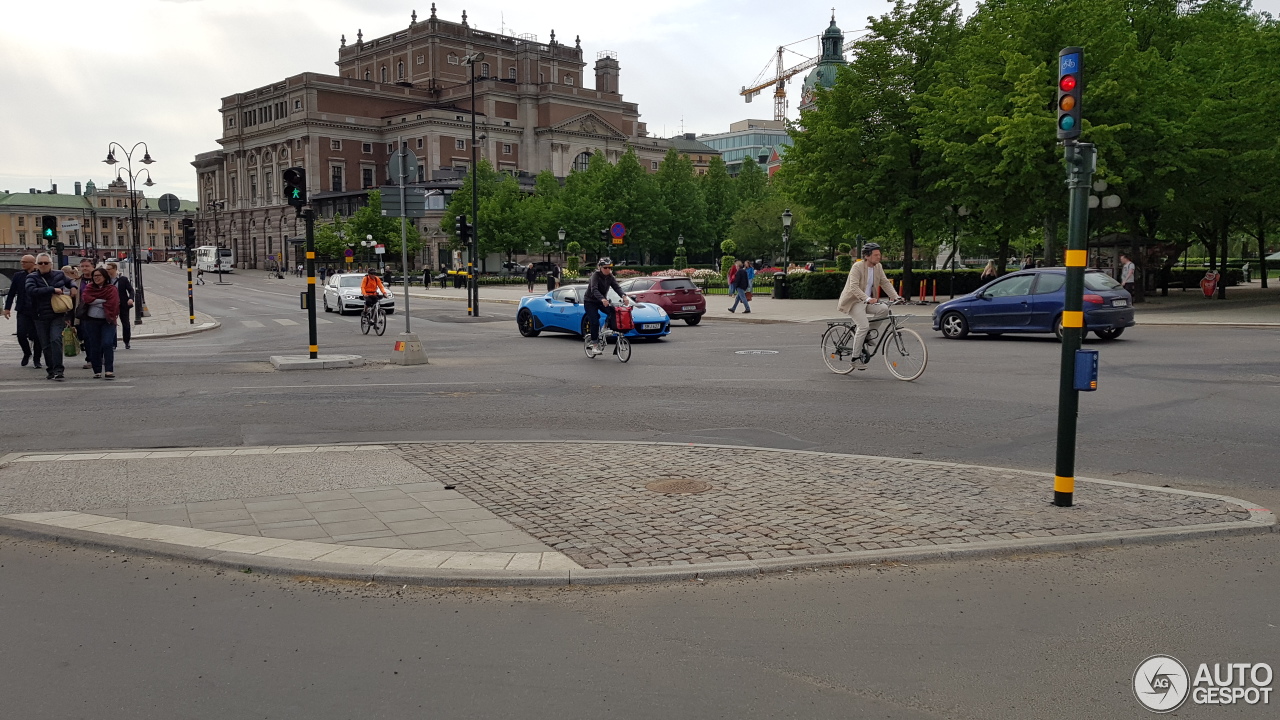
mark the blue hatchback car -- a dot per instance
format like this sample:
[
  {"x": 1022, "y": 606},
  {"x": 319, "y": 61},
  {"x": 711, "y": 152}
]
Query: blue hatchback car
[{"x": 1031, "y": 301}]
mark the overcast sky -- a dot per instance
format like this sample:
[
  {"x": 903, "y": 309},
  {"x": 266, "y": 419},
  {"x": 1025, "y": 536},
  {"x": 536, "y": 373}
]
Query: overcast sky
[{"x": 82, "y": 73}]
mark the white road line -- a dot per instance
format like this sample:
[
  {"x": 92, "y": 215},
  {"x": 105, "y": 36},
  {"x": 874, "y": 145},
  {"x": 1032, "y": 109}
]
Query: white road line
[
  {"x": 322, "y": 321},
  {"x": 252, "y": 323},
  {"x": 286, "y": 322},
  {"x": 352, "y": 385},
  {"x": 77, "y": 387}
]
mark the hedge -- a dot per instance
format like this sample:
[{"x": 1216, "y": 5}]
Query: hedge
[{"x": 827, "y": 286}]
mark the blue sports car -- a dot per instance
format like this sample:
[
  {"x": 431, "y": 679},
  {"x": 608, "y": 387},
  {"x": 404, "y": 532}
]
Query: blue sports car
[
  {"x": 561, "y": 311},
  {"x": 1031, "y": 301}
]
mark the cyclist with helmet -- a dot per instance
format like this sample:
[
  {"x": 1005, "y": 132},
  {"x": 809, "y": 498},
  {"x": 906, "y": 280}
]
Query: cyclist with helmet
[
  {"x": 372, "y": 289},
  {"x": 597, "y": 299},
  {"x": 858, "y": 299}
]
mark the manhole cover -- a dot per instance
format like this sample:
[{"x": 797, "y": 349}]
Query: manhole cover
[
  {"x": 756, "y": 352},
  {"x": 678, "y": 485}
]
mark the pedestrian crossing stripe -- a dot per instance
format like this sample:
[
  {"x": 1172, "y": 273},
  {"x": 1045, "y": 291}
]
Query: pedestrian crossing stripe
[
  {"x": 251, "y": 323},
  {"x": 286, "y": 322}
]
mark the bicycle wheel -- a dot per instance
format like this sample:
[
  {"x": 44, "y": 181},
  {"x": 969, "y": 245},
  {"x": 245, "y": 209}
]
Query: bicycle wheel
[
  {"x": 588, "y": 347},
  {"x": 365, "y": 324},
  {"x": 837, "y": 350},
  {"x": 622, "y": 348},
  {"x": 380, "y": 321},
  {"x": 906, "y": 355}
]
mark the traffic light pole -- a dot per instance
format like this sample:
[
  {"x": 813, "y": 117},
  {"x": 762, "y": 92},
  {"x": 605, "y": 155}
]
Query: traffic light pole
[
  {"x": 309, "y": 216},
  {"x": 1081, "y": 160},
  {"x": 191, "y": 295}
]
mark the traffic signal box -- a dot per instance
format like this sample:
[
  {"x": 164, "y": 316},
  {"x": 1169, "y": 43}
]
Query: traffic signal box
[
  {"x": 49, "y": 229},
  {"x": 189, "y": 234},
  {"x": 295, "y": 187},
  {"x": 463, "y": 229},
  {"x": 1070, "y": 89}
]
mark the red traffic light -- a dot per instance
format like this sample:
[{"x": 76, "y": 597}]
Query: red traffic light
[{"x": 1067, "y": 83}]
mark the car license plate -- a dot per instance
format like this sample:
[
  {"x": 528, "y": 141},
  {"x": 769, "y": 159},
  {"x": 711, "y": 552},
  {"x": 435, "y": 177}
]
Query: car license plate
[
  {"x": 689, "y": 307},
  {"x": 651, "y": 326},
  {"x": 1120, "y": 303}
]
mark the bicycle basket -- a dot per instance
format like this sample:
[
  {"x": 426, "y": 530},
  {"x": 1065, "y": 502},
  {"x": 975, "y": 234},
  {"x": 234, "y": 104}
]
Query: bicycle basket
[{"x": 622, "y": 319}]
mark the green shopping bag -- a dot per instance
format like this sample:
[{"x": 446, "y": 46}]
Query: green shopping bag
[{"x": 70, "y": 343}]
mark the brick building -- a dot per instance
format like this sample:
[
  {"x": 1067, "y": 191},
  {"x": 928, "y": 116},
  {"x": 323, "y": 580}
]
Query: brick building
[{"x": 532, "y": 107}]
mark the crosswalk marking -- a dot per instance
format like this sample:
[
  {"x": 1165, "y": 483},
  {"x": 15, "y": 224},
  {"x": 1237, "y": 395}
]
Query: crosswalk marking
[
  {"x": 286, "y": 322},
  {"x": 322, "y": 321},
  {"x": 252, "y": 323}
]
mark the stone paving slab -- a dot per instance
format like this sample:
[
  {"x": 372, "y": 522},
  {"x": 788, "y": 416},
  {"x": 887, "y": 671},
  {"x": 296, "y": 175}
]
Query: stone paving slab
[{"x": 560, "y": 513}]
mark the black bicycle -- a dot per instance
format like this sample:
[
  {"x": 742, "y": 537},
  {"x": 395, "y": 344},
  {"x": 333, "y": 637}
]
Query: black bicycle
[
  {"x": 373, "y": 318},
  {"x": 905, "y": 353}
]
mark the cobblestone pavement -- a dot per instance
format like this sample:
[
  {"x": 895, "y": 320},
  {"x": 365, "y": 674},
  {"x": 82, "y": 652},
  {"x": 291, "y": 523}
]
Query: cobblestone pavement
[{"x": 590, "y": 501}]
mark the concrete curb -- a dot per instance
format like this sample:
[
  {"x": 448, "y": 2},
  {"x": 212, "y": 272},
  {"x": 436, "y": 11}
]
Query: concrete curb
[
  {"x": 324, "y": 362},
  {"x": 189, "y": 330},
  {"x": 1261, "y": 520}
]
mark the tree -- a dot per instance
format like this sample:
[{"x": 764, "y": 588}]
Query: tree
[
  {"x": 857, "y": 161},
  {"x": 752, "y": 183},
  {"x": 630, "y": 196},
  {"x": 333, "y": 239},
  {"x": 486, "y": 182},
  {"x": 686, "y": 208},
  {"x": 721, "y": 196},
  {"x": 757, "y": 229},
  {"x": 507, "y": 222}
]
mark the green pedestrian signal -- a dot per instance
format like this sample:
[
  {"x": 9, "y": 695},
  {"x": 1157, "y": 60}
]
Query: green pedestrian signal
[
  {"x": 295, "y": 187},
  {"x": 49, "y": 228}
]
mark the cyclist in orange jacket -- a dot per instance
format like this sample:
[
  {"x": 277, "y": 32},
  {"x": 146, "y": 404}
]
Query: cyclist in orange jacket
[{"x": 372, "y": 289}]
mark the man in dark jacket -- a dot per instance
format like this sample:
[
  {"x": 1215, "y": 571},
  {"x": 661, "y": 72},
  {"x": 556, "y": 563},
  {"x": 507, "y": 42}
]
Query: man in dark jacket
[
  {"x": 530, "y": 275},
  {"x": 18, "y": 301},
  {"x": 42, "y": 285},
  {"x": 596, "y": 300},
  {"x": 738, "y": 288},
  {"x": 125, "y": 289}
]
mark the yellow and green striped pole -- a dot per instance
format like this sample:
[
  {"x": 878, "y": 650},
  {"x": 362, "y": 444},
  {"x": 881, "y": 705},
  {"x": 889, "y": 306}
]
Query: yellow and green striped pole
[{"x": 1081, "y": 158}]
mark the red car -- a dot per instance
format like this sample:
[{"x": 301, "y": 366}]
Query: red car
[{"x": 678, "y": 296}]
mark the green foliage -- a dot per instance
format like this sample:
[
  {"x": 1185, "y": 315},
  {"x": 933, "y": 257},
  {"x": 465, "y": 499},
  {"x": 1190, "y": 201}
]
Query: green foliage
[
  {"x": 573, "y": 260},
  {"x": 844, "y": 262},
  {"x": 844, "y": 248},
  {"x": 728, "y": 247},
  {"x": 333, "y": 238},
  {"x": 720, "y": 193},
  {"x": 686, "y": 209}
]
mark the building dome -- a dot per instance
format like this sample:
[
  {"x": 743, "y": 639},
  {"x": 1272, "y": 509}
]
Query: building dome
[
  {"x": 90, "y": 188},
  {"x": 832, "y": 58}
]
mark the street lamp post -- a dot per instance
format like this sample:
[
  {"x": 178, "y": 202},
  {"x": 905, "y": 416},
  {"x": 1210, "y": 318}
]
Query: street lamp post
[
  {"x": 140, "y": 302},
  {"x": 473, "y": 288},
  {"x": 546, "y": 247},
  {"x": 959, "y": 211},
  {"x": 561, "y": 233},
  {"x": 786, "y": 238},
  {"x": 368, "y": 242}
]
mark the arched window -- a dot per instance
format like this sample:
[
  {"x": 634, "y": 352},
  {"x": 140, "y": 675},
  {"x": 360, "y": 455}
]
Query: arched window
[
  {"x": 400, "y": 71},
  {"x": 383, "y": 73},
  {"x": 366, "y": 75},
  {"x": 581, "y": 162}
]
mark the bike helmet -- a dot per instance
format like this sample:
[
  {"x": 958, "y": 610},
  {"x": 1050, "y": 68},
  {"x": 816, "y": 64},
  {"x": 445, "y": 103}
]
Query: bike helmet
[
  {"x": 604, "y": 263},
  {"x": 868, "y": 248}
]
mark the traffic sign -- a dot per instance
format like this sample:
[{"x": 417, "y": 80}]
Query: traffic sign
[
  {"x": 349, "y": 252},
  {"x": 410, "y": 167},
  {"x": 169, "y": 203},
  {"x": 379, "y": 249},
  {"x": 69, "y": 225},
  {"x": 618, "y": 231}
]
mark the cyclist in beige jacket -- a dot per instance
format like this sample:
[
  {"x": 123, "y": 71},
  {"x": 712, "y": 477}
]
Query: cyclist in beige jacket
[{"x": 858, "y": 300}]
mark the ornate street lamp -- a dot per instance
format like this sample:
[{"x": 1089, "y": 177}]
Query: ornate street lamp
[
  {"x": 140, "y": 302},
  {"x": 786, "y": 237}
]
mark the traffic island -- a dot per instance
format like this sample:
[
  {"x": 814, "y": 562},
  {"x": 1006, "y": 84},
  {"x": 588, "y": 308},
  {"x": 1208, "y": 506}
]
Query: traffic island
[
  {"x": 323, "y": 362},
  {"x": 550, "y": 513}
]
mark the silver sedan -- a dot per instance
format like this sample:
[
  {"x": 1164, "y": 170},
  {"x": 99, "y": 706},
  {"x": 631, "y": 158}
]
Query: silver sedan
[{"x": 342, "y": 295}]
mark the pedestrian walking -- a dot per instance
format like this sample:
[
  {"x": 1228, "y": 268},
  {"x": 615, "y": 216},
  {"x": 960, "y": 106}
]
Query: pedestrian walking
[
  {"x": 1127, "y": 271},
  {"x": 299, "y": 273},
  {"x": 738, "y": 288},
  {"x": 553, "y": 274},
  {"x": 989, "y": 272},
  {"x": 125, "y": 289},
  {"x": 18, "y": 301},
  {"x": 321, "y": 273},
  {"x": 750, "y": 269},
  {"x": 50, "y": 294},
  {"x": 101, "y": 303},
  {"x": 199, "y": 277},
  {"x": 1028, "y": 263},
  {"x": 733, "y": 274},
  {"x": 530, "y": 275},
  {"x": 426, "y": 278}
]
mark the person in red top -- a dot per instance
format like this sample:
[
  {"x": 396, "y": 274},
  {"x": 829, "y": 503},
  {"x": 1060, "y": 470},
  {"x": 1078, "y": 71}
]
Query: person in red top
[{"x": 102, "y": 310}]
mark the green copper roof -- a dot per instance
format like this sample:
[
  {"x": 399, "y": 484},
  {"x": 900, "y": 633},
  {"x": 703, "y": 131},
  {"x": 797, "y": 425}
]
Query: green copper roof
[{"x": 46, "y": 200}]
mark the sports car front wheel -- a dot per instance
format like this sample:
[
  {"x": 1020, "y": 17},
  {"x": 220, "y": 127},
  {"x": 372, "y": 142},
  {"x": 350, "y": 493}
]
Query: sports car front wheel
[{"x": 524, "y": 320}]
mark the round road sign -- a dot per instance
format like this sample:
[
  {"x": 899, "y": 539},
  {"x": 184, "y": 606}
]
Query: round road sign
[{"x": 618, "y": 230}]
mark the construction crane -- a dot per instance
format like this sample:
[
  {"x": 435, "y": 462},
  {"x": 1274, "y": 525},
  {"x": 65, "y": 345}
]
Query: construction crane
[{"x": 781, "y": 76}]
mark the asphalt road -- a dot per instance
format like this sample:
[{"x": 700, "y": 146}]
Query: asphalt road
[{"x": 1041, "y": 637}]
